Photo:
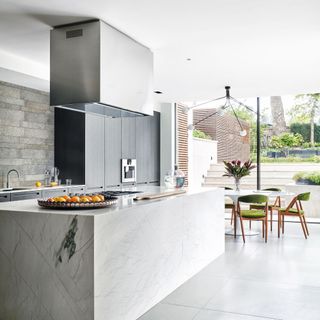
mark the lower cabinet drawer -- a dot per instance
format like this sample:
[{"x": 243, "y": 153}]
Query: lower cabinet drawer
[
  {"x": 77, "y": 190},
  {"x": 25, "y": 195},
  {"x": 4, "y": 197},
  {"x": 54, "y": 193},
  {"x": 94, "y": 189}
]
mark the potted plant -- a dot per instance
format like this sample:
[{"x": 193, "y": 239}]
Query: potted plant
[{"x": 237, "y": 170}]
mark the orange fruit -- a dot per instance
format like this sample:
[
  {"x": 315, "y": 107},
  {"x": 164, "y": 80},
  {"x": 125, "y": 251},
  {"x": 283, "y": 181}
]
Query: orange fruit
[
  {"x": 50, "y": 200},
  {"x": 60, "y": 199},
  {"x": 101, "y": 197},
  {"x": 69, "y": 200},
  {"x": 96, "y": 199},
  {"x": 84, "y": 199},
  {"x": 66, "y": 197},
  {"x": 75, "y": 199}
]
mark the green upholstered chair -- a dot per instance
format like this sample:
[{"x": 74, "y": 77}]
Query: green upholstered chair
[
  {"x": 271, "y": 207},
  {"x": 294, "y": 209},
  {"x": 260, "y": 214}
]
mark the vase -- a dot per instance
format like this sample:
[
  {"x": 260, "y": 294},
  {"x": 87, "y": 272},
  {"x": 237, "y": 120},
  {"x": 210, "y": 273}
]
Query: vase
[{"x": 237, "y": 183}]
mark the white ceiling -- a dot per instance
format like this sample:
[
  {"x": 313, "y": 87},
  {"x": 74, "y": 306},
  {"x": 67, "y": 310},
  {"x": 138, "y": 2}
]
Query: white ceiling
[{"x": 259, "y": 47}]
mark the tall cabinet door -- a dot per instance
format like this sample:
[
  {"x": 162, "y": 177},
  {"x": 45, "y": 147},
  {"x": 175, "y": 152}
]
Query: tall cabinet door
[
  {"x": 128, "y": 129},
  {"x": 154, "y": 168},
  {"x": 112, "y": 151},
  {"x": 94, "y": 152},
  {"x": 143, "y": 150}
]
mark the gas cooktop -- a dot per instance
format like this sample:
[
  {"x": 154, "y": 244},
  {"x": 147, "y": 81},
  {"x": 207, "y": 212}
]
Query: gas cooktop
[{"x": 117, "y": 193}]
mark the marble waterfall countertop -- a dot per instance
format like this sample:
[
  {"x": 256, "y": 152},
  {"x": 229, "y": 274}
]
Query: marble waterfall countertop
[
  {"x": 124, "y": 202},
  {"x": 113, "y": 263}
]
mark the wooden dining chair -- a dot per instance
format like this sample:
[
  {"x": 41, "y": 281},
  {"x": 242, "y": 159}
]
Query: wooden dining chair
[
  {"x": 230, "y": 205},
  {"x": 271, "y": 207},
  {"x": 294, "y": 209},
  {"x": 260, "y": 214}
]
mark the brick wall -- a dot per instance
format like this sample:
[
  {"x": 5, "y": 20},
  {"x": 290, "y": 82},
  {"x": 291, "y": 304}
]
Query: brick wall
[
  {"x": 26, "y": 133},
  {"x": 225, "y": 129},
  {"x": 182, "y": 139}
]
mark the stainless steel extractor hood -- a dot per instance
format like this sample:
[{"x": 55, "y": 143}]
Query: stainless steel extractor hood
[{"x": 93, "y": 66}]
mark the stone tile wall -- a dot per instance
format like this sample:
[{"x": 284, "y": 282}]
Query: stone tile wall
[{"x": 26, "y": 134}]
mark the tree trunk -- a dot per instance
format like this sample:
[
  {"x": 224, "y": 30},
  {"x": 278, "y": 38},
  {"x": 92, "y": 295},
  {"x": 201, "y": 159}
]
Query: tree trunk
[{"x": 277, "y": 112}]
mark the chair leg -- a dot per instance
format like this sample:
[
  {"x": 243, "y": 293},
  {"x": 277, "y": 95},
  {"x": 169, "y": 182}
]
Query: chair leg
[
  {"x": 279, "y": 223},
  {"x": 235, "y": 223},
  {"x": 262, "y": 228},
  {"x": 250, "y": 224},
  {"x": 282, "y": 223},
  {"x": 305, "y": 224},
  {"x": 304, "y": 231},
  {"x": 242, "y": 230},
  {"x": 271, "y": 212},
  {"x": 232, "y": 215},
  {"x": 266, "y": 226}
]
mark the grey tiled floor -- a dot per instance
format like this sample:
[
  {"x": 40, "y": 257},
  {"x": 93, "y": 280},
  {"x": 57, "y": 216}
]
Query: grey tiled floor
[{"x": 277, "y": 280}]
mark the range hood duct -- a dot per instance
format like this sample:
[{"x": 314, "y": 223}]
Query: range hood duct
[{"x": 96, "y": 68}]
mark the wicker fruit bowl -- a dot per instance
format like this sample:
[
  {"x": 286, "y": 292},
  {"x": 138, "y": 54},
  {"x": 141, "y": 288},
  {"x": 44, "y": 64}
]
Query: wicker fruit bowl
[{"x": 77, "y": 202}]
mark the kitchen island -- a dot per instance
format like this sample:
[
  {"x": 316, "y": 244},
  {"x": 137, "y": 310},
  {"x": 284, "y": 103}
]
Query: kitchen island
[{"x": 113, "y": 263}]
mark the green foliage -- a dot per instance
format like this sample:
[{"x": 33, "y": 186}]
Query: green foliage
[
  {"x": 307, "y": 105},
  {"x": 286, "y": 140},
  {"x": 314, "y": 159},
  {"x": 304, "y": 130},
  {"x": 201, "y": 135},
  {"x": 238, "y": 170},
  {"x": 312, "y": 176}
]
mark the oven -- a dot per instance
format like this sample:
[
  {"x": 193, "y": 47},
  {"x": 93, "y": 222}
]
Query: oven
[{"x": 128, "y": 170}]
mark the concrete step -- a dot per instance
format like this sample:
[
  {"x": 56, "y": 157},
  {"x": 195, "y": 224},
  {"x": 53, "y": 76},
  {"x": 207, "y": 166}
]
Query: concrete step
[
  {"x": 294, "y": 167},
  {"x": 264, "y": 174},
  {"x": 248, "y": 179}
]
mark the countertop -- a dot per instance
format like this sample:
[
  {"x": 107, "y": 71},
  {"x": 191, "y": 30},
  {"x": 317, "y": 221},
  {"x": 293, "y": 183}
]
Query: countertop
[
  {"x": 26, "y": 189},
  {"x": 124, "y": 202}
]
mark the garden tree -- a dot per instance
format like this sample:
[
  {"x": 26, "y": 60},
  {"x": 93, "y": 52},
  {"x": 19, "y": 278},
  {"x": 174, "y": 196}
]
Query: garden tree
[
  {"x": 306, "y": 109},
  {"x": 277, "y": 113}
]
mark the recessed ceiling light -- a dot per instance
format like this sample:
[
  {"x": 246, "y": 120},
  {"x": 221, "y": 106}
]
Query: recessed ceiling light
[
  {"x": 158, "y": 92},
  {"x": 188, "y": 59}
]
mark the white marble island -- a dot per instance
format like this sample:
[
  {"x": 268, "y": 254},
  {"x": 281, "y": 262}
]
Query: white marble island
[{"x": 113, "y": 263}]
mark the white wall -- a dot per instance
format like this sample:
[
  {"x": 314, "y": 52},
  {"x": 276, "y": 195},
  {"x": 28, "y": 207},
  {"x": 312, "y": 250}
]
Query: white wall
[
  {"x": 167, "y": 139},
  {"x": 204, "y": 153}
]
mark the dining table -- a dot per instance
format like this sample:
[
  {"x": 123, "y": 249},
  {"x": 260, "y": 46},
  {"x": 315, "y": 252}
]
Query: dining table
[{"x": 234, "y": 195}]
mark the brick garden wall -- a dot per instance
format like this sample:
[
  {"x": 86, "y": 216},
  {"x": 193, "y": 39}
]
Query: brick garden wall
[
  {"x": 26, "y": 133},
  {"x": 225, "y": 129}
]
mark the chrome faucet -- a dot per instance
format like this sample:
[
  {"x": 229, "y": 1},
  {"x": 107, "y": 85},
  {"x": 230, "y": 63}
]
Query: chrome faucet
[{"x": 8, "y": 174}]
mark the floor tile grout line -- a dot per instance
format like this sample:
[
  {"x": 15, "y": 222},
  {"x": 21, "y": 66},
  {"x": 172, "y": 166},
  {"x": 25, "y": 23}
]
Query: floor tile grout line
[{"x": 242, "y": 314}]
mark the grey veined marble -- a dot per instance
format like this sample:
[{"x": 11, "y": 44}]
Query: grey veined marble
[{"x": 112, "y": 266}]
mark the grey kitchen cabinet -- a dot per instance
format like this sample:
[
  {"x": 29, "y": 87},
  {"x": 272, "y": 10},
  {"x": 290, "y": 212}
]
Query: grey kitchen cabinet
[
  {"x": 154, "y": 168},
  {"x": 94, "y": 153},
  {"x": 148, "y": 148},
  {"x": 5, "y": 197},
  {"x": 143, "y": 148},
  {"x": 113, "y": 151},
  {"x": 128, "y": 133},
  {"x": 54, "y": 193},
  {"x": 16, "y": 196}
]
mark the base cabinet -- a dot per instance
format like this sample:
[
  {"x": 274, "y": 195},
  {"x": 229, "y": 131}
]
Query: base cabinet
[
  {"x": 4, "y": 197},
  {"x": 25, "y": 195}
]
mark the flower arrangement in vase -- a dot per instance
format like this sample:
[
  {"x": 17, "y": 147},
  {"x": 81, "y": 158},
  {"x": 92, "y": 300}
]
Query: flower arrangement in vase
[{"x": 238, "y": 170}]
